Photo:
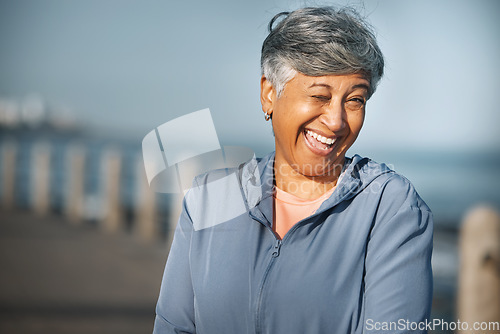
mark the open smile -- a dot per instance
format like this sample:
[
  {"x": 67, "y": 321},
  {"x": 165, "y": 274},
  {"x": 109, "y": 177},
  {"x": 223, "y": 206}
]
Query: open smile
[{"x": 318, "y": 143}]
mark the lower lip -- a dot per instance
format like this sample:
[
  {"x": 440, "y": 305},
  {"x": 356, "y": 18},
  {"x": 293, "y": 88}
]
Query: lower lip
[{"x": 316, "y": 150}]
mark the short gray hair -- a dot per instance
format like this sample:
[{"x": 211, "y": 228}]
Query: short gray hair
[{"x": 318, "y": 41}]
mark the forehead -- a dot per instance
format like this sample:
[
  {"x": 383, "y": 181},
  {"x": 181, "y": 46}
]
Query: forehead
[{"x": 331, "y": 82}]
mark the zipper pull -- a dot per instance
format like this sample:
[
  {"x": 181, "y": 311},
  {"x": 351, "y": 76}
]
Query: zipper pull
[{"x": 277, "y": 247}]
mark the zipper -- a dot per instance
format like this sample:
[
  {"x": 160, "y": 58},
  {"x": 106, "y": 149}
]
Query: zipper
[
  {"x": 275, "y": 253},
  {"x": 277, "y": 247}
]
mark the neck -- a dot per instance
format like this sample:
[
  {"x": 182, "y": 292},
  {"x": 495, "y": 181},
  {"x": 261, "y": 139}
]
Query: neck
[{"x": 304, "y": 186}]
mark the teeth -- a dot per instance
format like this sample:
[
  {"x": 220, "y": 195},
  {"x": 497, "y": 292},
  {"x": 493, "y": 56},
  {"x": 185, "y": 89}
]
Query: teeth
[{"x": 320, "y": 138}]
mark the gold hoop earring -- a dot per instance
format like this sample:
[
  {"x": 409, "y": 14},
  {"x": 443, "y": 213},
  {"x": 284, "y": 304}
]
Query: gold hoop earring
[{"x": 267, "y": 117}]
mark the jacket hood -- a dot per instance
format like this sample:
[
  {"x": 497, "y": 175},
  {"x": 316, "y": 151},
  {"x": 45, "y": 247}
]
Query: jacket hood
[
  {"x": 257, "y": 179},
  {"x": 250, "y": 187}
]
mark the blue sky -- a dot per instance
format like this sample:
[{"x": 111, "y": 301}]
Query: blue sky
[{"x": 128, "y": 66}]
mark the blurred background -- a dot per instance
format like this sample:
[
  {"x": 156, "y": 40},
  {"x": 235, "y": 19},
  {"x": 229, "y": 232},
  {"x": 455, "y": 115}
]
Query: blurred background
[{"x": 83, "y": 240}]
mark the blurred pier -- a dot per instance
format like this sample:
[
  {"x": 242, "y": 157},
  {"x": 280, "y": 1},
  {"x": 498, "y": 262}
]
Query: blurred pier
[
  {"x": 83, "y": 238},
  {"x": 56, "y": 277},
  {"x": 88, "y": 181}
]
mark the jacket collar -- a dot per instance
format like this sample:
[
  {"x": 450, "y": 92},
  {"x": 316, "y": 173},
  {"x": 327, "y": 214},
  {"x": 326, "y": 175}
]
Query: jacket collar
[{"x": 257, "y": 180}]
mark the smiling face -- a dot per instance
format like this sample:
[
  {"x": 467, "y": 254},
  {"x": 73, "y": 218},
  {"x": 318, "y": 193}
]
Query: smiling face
[{"x": 315, "y": 121}]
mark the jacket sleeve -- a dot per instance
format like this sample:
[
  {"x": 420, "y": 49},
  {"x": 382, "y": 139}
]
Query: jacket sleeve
[
  {"x": 175, "y": 307},
  {"x": 398, "y": 277}
]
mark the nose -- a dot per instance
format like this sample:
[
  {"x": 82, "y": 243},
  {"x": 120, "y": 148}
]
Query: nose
[{"x": 334, "y": 116}]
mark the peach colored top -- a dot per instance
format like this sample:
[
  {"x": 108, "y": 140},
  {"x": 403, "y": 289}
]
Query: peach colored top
[{"x": 290, "y": 209}]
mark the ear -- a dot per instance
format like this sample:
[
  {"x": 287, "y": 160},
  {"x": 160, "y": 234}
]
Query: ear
[{"x": 267, "y": 95}]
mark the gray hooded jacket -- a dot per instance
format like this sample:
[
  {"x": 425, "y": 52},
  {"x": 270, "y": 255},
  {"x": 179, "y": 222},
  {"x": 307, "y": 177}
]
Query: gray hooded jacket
[{"x": 360, "y": 264}]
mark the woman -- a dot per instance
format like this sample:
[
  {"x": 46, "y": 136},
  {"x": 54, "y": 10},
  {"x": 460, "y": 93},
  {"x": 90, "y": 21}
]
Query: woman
[{"x": 304, "y": 240}]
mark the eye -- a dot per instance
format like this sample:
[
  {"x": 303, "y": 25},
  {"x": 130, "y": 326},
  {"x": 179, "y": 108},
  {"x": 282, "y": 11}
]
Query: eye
[
  {"x": 321, "y": 97},
  {"x": 355, "y": 103}
]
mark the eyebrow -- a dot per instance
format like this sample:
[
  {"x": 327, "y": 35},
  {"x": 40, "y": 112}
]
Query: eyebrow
[
  {"x": 364, "y": 86},
  {"x": 319, "y": 85}
]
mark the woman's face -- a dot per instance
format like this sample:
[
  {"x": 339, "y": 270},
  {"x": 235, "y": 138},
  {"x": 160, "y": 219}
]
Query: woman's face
[{"x": 316, "y": 120}]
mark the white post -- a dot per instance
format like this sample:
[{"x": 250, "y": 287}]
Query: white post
[
  {"x": 75, "y": 183},
  {"x": 40, "y": 186},
  {"x": 479, "y": 280},
  {"x": 9, "y": 156},
  {"x": 145, "y": 224},
  {"x": 111, "y": 173}
]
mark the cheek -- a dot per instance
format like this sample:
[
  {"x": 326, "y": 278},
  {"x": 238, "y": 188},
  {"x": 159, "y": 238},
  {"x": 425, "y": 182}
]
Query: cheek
[
  {"x": 290, "y": 117},
  {"x": 356, "y": 122}
]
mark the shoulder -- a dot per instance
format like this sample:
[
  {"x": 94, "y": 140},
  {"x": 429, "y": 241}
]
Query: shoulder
[
  {"x": 212, "y": 186},
  {"x": 223, "y": 175},
  {"x": 211, "y": 176},
  {"x": 214, "y": 198},
  {"x": 397, "y": 204},
  {"x": 398, "y": 189},
  {"x": 394, "y": 189},
  {"x": 401, "y": 207},
  {"x": 219, "y": 195}
]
